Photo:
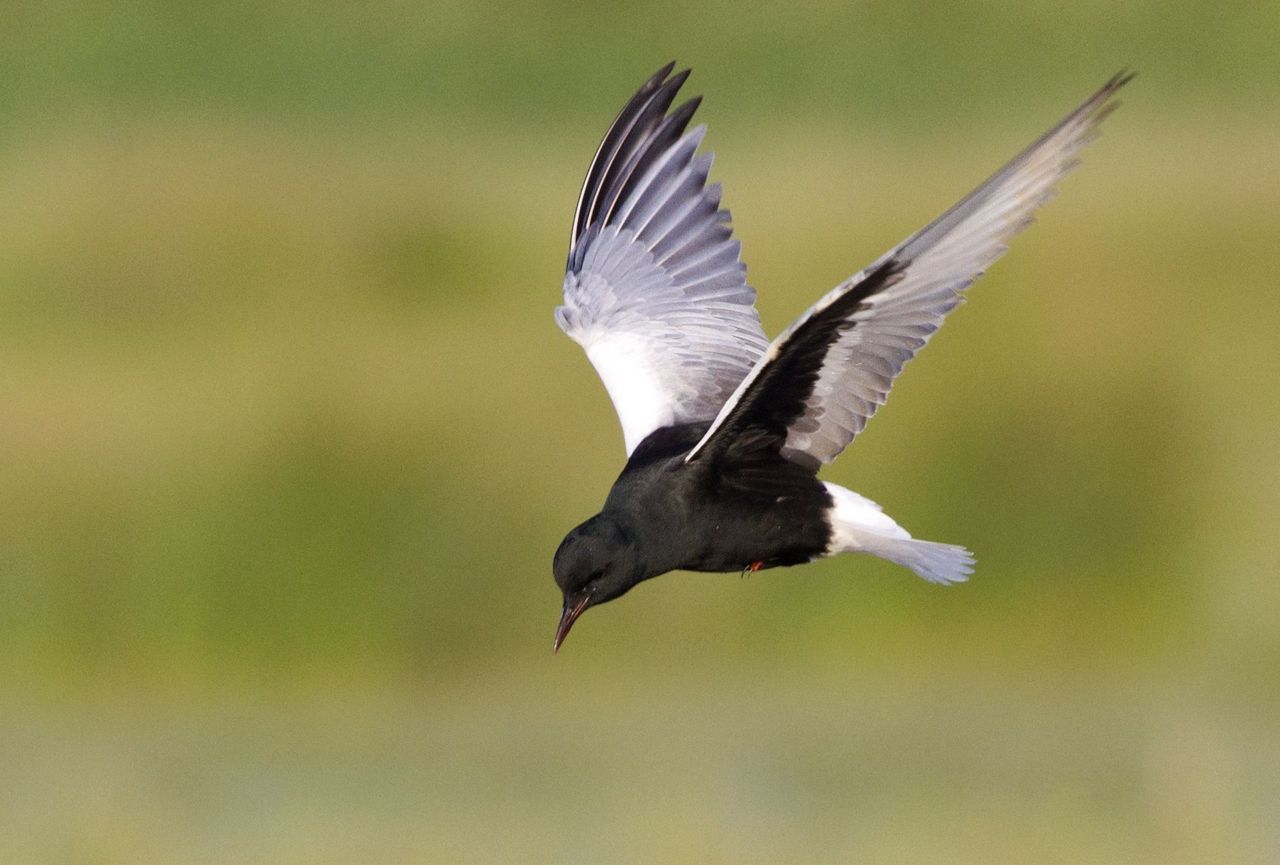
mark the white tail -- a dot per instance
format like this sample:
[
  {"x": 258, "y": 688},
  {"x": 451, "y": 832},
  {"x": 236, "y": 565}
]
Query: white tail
[{"x": 858, "y": 525}]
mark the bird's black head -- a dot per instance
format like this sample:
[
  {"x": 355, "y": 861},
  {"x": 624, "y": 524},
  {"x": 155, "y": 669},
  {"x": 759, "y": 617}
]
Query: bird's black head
[{"x": 596, "y": 563}]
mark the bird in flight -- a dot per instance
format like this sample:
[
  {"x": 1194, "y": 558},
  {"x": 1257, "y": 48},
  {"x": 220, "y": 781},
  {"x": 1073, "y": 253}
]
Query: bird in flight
[{"x": 724, "y": 430}]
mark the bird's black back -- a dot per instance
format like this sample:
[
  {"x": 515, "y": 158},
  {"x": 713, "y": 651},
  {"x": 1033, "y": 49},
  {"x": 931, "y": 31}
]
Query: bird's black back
[{"x": 723, "y": 514}]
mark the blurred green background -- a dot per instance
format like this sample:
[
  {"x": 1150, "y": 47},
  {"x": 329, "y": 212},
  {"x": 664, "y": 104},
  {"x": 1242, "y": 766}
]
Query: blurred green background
[{"x": 289, "y": 437}]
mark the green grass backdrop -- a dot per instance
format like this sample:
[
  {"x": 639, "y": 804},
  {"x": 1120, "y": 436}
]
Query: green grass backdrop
[{"x": 289, "y": 436}]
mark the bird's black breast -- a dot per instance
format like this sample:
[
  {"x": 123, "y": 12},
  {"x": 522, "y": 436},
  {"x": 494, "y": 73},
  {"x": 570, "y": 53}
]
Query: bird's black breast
[{"x": 717, "y": 515}]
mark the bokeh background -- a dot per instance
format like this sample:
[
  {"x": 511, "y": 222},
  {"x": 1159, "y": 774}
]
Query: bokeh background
[{"x": 288, "y": 438}]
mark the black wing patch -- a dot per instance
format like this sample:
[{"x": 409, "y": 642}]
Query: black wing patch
[
  {"x": 641, "y": 133},
  {"x": 777, "y": 397}
]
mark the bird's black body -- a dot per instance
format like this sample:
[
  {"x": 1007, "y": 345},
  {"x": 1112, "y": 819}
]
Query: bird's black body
[
  {"x": 731, "y": 503},
  {"x": 726, "y": 431},
  {"x": 665, "y": 514}
]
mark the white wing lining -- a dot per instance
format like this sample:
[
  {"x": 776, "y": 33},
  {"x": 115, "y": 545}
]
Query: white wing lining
[{"x": 655, "y": 290}]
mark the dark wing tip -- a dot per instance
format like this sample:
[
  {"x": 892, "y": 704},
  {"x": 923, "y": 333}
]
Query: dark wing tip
[
  {"x": 630, "y": 134},
  {"x": 1120, "y": 79},
  {"x": 619, "y": 186},
  {"x": 654, "y": 81},
  {"x": 1101, "y": 104}
]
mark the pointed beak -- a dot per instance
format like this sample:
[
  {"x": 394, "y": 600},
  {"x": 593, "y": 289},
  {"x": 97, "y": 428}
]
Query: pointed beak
[{"x": 572, "y": 609}]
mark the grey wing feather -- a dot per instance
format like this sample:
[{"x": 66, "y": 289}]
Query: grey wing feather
[
  {"x": 655, "y": 290},
  {"x": 887, "y": 326}
]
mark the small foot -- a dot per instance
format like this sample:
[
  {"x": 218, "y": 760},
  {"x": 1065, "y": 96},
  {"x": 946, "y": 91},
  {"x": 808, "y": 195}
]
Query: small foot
[{"x": 752, "y": 568}]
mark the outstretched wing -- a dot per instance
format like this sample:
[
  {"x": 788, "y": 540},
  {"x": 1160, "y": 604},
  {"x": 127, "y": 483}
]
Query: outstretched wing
[
  {"x": 654, "y": 289},
  {"x": 825, "y": 376}
]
